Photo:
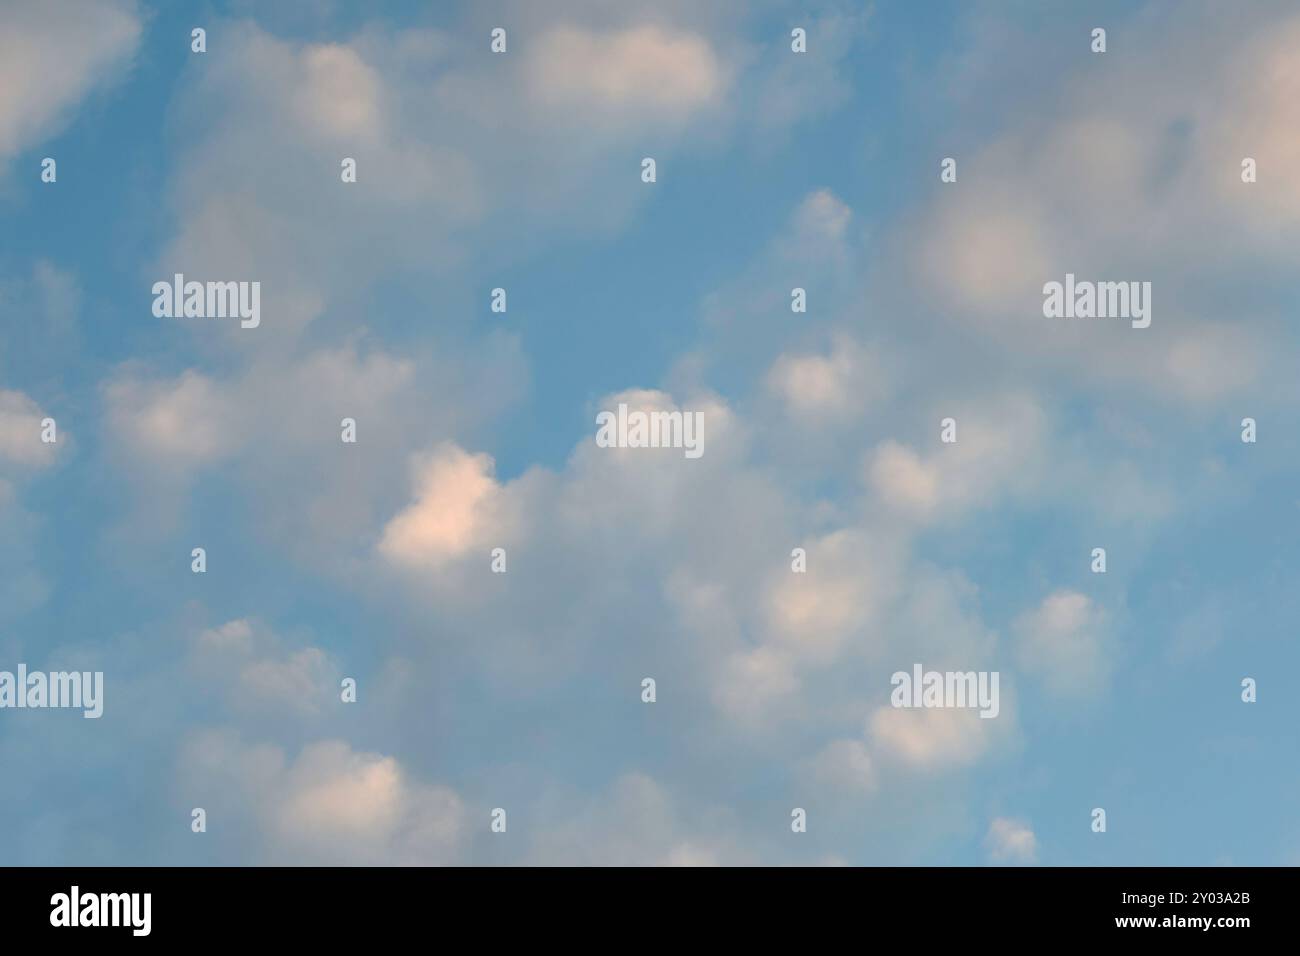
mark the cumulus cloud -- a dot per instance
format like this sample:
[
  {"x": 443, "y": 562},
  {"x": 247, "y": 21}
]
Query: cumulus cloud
[
  {"x": 752, "y": 683},
  {"x": 1256, "y": 101},
  {"x": 51, "y": 56},
  {"x": 329, "y": 804},
  {"x": 1011, "y": 841},
  {"x": 338, "y": 94},
  {"x": 771, "y": 648},
  {"x": 457, "y": 508},
  {"x": 819, "y": 389},
  {"x": 1065, "y": 641},
  {"x": 635, "y": 72},
  {"x": 819, "y": 230},
  {"x": 454, "y": 151},
  {"x": 898, "y": 475},
  {"x": 999, "y": 451},
  {"x": 261, "y": 675},
  {"x": 20, "y": 432},
  {"x": 593, "y": 509},
  {"x": 176, "y": 424},
  {"x": 715, "y": 534},
  {"x": 931, "y": 739},
  {"x": 813, "y": 612},
  {"x": 627, "y": 561},
  {"x": 639, "y": 823},
  {"x": 1120, "y": 176},
  {"x": 818, "y": 371},
  {"x": 277, "y": 425},
  {"x": 845, "y": 765}
]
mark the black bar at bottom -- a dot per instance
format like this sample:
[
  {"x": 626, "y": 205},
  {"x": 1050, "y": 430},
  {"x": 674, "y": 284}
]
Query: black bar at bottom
[{"x": 613, "y": 906}]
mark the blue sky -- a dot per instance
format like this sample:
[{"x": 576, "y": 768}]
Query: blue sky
[{"x": 476, "y": 430}]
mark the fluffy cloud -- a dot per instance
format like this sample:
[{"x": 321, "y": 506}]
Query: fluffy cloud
[
  {"x": 338, "y": 94},
  {"x": 276, "y": 425},
  {"x": 999, "y": 451},
  {"x": 638, "y": 823},
  {"x": 813, "y": 612},
  {"x": 640, "y": 71},
  {"x": 454, "y": 150},
  {"x": 1120, "y": 174},
  {"x": 1011, "y": 841},
  {"x": 51, "y": 55},
  {"x": 751, "y": 684},
  {"x": 457, "y": 508},
  {"x": 20, "y": 432},
  {"x": 328, "y": 805},
  {"x": 898, "y": 475},
  {"x": 260, "y": 675},
  {"x": 845, "y": 765},
  {"x": 931, "y": 738},
  {"x": 176, "y": 425},
  {"x": 771, "y": 649},
  {"x": 819, "y": 230},
  {"x": 1066, "y": 642},
  {"x": 626, "y": 562},
  {"x": 825, "y": 388}
]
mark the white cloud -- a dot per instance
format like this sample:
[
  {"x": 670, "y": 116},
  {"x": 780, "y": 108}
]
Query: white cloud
[
  {"x": 454, "y": 149},
  {"x": 930, "y": 739},
  {"x": 20, "y": 432},
  {"x": 818, "y": 389},
  {"x": 752, "y": 682},
  {"x": 902, "y": 479},
  {"x": 1066, "y": 642},
  {"x": 330, "y": 805},
  {"x": 639, "y": 71},
  {"x": 845, "y": 765},
  {"x": 232, "y": 637},
  {"x": 1261, "y": 81},
  {"x": 261, "y": 675},
  {"x": 638, "y": 823},
  {"x": 1122, "y": 176},
  {"x": 177, "y": 425},
  {"x": 999, "y": 452},
  {"x": 338, "y": 94},
  {"x": 276, "y": 427},
  {"x": 814, "y": 612},
  {"x": 938, "y": 622},
  {"x": 819, "y": 228},
  {"x": 332, "y": 792},
  {"x": 51, "y": 55},
  {"x": 1011, "y": 841},
  {"x": 458, "y": 508}
]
